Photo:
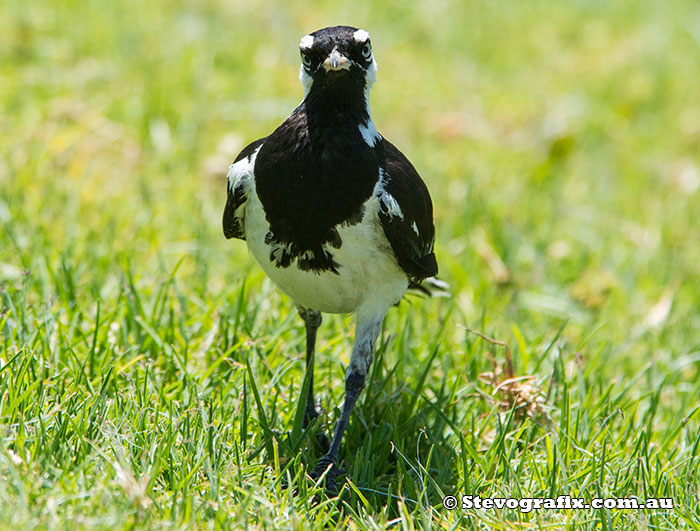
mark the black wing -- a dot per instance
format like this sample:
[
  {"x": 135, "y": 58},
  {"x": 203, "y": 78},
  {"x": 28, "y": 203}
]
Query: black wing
[
  {"x": 406, "y": 215},
  {"x": 237, "y": 186}
]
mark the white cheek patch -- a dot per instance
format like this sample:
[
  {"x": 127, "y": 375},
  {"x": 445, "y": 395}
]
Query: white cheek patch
[
  {"x": 361, "y": 36},
  {"x": 306, "y": 80},
  {"x": 307, "y": 41},
  {"x": 371, "y": 75}
]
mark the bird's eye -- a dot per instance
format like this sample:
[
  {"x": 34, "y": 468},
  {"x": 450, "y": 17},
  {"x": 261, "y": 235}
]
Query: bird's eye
[
  {"x": 367, "y": 51},
  {"x": 306, "y": 59}
]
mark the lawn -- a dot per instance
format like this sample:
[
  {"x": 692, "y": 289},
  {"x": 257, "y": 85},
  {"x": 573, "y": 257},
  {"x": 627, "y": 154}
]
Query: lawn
[{"x": 150, "y": 374}]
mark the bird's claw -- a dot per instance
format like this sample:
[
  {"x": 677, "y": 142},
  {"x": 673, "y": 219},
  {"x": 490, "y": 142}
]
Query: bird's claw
[{"x": 327, "y": 464}]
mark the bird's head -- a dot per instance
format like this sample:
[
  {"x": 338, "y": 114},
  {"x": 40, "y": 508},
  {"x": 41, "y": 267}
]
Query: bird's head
[{"x": 338, "y": 58}]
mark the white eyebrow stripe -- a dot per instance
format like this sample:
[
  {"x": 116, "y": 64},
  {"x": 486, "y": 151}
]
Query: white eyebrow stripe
[
  {"x": 306, "y": 42},
  {"x": 361, "y": 35}
]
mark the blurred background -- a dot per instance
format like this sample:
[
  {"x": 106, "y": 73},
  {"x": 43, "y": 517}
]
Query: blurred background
[{"x": 560, "y": 141}]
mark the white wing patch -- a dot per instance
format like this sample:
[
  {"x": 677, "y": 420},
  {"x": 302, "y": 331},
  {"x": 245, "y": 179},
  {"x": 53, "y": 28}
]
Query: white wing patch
[
  {"x": 239, "y": 179},
  {"x": 387, "y": 203},
  {"x": 239, "y": 173},
  {"x": 390, "y": 205}
]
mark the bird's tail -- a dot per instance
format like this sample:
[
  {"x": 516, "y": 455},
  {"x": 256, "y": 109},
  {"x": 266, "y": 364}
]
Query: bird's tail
[{"x": 431, "y": 287}]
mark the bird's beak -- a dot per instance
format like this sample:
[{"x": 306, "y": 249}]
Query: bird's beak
[{"x": 336, "y": 61}]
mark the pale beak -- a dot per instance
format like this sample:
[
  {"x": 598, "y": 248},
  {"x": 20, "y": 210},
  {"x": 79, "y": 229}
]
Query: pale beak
[{"x": 336, "y": 61}]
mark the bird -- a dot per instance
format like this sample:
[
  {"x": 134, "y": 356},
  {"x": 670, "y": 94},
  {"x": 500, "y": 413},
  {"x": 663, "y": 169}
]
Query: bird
[{"x": 335, "y": 215}]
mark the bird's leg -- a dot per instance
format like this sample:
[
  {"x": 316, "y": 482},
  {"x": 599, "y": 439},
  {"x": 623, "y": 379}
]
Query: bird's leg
[
  {"x": 366, "y": 334},
  {"x": 312, "y": 319}
]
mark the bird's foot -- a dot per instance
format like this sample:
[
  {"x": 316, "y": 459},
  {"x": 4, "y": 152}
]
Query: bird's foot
[{"x": 328, "y": 465}]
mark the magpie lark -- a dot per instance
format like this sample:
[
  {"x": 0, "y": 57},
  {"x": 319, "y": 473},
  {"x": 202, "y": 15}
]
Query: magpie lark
[{"x": 336, "y": 216}]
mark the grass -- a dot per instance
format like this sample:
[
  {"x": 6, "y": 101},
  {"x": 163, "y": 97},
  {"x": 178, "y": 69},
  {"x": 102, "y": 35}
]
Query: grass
[{"x": 149, "y": 374}]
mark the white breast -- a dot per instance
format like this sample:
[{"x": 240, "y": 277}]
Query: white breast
[{"x": 369, "y": 277}]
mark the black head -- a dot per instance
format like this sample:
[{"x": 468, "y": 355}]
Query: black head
[{"x": 337, "y": 58}]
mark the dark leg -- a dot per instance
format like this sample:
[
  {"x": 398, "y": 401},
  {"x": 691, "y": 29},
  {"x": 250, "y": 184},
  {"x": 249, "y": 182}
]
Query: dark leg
[
  {"x": 312, "y": 319},
  {"x": 360, "y": 361}
]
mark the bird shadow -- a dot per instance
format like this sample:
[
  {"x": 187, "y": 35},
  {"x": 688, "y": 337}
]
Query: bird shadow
[{"x": 400, "y": 445}]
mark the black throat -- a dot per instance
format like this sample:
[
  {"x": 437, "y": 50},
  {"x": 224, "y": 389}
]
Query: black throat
[{"x": 314, "y": 173}]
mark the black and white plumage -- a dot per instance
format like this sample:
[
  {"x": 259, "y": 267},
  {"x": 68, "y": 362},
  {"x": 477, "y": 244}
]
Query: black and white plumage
[{"x": 334, "y": 213}]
